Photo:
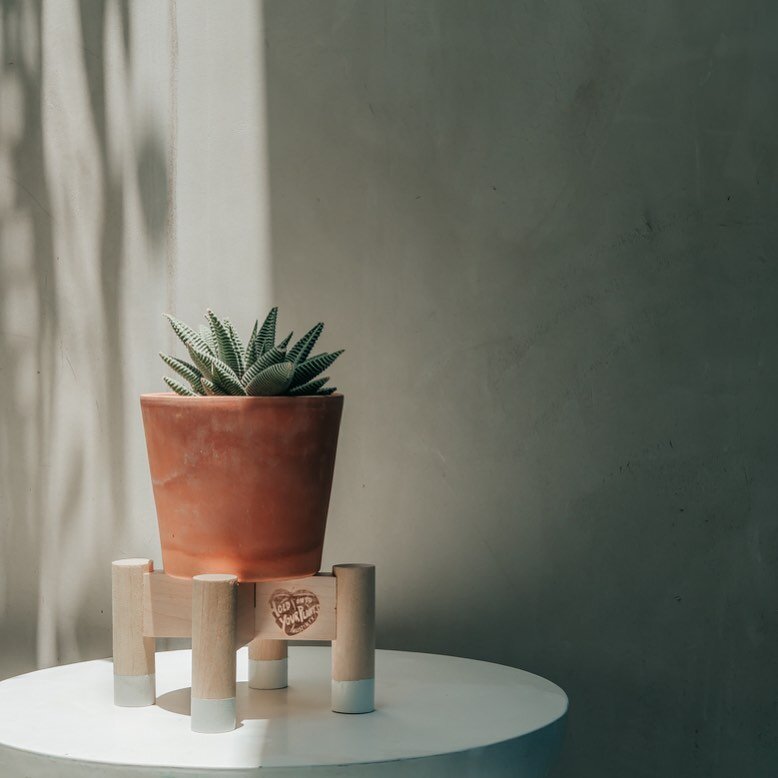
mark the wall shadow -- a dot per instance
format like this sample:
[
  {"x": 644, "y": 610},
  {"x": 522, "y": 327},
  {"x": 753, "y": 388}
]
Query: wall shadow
[
  {"x": 48, "y": 468},
  {"x": 543, "y": 235},
  {"x": 28, "y": 350}
]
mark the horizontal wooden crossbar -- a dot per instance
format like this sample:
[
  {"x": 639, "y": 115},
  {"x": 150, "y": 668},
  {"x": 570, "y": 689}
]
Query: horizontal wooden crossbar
[{"x": 295, "y": 609}]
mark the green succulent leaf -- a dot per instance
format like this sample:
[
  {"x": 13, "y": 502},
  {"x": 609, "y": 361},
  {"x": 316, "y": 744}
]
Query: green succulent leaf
[
  {"x": 304, "y": 346},
  {"x": 206, "y": 333},
  {"x": 179, "y": 388},
  {"x": 226, "y": 351},
  {"x": 211, "y": 389},
  {"x": 187, "y": 335},
  {"x": 272, "y": 380},
  {"x": 203, "y": 360},
  {"x": 310, "y": 368},
  {"x": 185, "y": 370},
  {"x": 266, "y": 338},
  {"x": 275, "y": 355},
  {"x": 248, "y": 355},
  {"x": 237, "y": 345},
  {"x": 327, "y": 390},
  {"x": 308, "y": 388},
  {"x": 225, "y": 378}
]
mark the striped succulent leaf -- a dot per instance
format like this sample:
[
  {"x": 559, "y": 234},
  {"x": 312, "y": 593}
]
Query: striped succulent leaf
[
  {"x": 237, "y": 345},
  {"x": 272, "y": 380},
  {"x": 266, "y": 338},
  {"x": 248, "y": 355},
  {"x": 312, "y": 387},
  {"x": 225, "y": 378},
  {"x": 187, "y": 334},
  {"x": 310, "y": 368},
  {"x": 304, "y": 346},
  {"x": 327, "y": 390},
  {"x": 203, "y": 360},
  {"x": 276, "y": 354},
  {"x": 185, "y": 370},
  {"x": 211, "y": 389},
  {"x": 226, "y": 350},
  {"x": 179, "y": 388},
  {"x": 206, "y": 333}
]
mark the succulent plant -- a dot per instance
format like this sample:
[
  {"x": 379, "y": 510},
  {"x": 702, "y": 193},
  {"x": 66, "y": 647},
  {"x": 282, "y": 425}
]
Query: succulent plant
[{"x": 222, "y": 365}]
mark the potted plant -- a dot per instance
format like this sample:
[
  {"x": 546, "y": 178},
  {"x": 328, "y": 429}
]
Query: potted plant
[{"x": 242, "y": 452}]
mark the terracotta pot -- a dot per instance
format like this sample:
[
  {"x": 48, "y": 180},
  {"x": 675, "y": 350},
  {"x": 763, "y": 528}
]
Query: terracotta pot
[{"x": 241, "y": 484}]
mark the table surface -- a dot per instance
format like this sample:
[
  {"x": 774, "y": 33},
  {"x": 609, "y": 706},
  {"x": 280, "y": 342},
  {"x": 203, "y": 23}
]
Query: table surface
[{"x": 426, "y": 705}]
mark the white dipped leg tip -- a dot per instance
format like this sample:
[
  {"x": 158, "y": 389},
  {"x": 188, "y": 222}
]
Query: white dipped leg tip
[
  {"x": 353, "y": 696},
  {"x": 134, "y": 691},
  {"x": 268, "y": 673},
  {"x": 212, "y": 716}
]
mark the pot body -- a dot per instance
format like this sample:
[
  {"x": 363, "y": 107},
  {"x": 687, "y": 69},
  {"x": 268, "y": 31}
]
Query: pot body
[{"x": 241, "y": 484}]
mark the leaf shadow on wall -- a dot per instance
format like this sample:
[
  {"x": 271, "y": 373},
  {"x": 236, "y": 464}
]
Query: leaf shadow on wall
[{"x": 48, "y": 559}]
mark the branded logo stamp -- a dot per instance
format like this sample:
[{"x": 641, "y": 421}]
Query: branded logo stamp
[{"x": 294, "y": 611}]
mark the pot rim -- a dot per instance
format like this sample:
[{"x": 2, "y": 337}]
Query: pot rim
[{"x": 171, "y": 398}]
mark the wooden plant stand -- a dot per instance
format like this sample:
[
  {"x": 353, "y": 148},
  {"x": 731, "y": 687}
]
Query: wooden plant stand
[{"x": 220, "y": 615}]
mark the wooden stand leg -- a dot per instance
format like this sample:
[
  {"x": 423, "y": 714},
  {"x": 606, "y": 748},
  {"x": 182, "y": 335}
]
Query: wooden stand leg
[
  {"x": 268, "y": 664},
  {"x": 353, "y": 650},
  {"x": 133, "y": 655},
  {"x": 214, "y": 616}
]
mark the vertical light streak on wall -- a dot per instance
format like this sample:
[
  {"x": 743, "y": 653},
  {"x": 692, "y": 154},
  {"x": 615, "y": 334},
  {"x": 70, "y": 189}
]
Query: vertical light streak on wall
[
  {"x": 265, "y": 237},
  {"x": 74, "y": 164},
  {"x": 222, "y": 193},
  {"x": 171, "y": 235}
]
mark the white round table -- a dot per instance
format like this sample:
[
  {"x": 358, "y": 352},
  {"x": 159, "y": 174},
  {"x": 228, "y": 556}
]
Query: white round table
[{"x": 435, "y": 715}]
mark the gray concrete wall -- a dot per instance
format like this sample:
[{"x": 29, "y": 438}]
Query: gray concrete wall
[{"x": 544, "y": 233}]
